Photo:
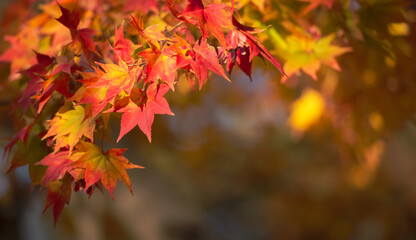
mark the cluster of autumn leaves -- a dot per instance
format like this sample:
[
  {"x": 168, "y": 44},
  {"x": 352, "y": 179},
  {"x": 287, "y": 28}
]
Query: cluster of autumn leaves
[{"x": 94, "y": 72}]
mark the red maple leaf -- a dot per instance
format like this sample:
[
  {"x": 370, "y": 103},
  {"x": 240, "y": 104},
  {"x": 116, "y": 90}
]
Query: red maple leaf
[
  {"x": 58, "y": 165},
  {"x": 84, "y": 36},
  {"x": 255, "y": 46},
  {"x": 122, "y": 46},
  {"x": 18, "y": 55},
  {"x": 40, "y": 68},
  {"x": 59, "y": 194},
  {"x": 239, "y": 52},
  {"x": 162, "y": 66},
  {"x": 151, "y": 103},
  {"x": 69, "y": 20},
  {"x": 58, "y": 82},
  {"x": 35, "y": 83},
  {"x": 211, "y": 18},
  {"x": 206, "y": 58},
  {"x": 22, "y": 135}
]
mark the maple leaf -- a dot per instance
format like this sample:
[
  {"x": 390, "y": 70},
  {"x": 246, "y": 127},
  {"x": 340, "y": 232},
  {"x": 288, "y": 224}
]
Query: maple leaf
[
  {"x": 40, "y": 68},
  {"x": 255, "y": 46},
  {"x": 211, "y": 18},
  {"x": 69, "y": 127},
  {"x": 20, "y": 54},
  {"x": 42, "y": 85},
  {"x": 80, "y": 183},
  {"x": 150, "y": 104},
  {"x": 243, "y": 60},
  {"x": 182, "y": 51},
  {"x": 95, "y": 96},
  {"x": 33, "y": 87},
  {"x": 22, "y": 135},
  {"x": 69, "y": 19},
  {"x": 154, "y": 32},
  {"x": 175, "y": 12},
  {"x": 105, "y": 167},
  {"x": 162, "y": 64},
  {"x": 206, "y": 58},
  {"x": 239, "y": 52},
  {"x": 306, "y": 53},
  {"x": 236, "y": 39},
  {"x": 101, "y": 87},
  {"x": 58, "y": 82},
  {"x": 163, "y": 67},
  {"x": 117, "y": 77},
  {"x": 58, "y": 165},
  {"x": 122, "y": 46},
  {"x": 59, "y": 194},
  {"x": 84, "y": 36},
  {"x": 150, "y": 34}
]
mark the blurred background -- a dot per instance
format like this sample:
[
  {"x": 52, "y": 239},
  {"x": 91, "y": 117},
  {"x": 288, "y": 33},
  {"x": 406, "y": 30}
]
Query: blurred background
[{"x": 330, "y": 158}]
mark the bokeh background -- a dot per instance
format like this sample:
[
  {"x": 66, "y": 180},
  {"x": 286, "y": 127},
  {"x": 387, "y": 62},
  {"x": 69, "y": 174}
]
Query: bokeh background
[{"x": 332, "y": 158}]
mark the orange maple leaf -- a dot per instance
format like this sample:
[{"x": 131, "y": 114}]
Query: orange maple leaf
[
  {"x": 105, "y": 167},
  {"x": 152, "y": 103},
  {"x": 102, "y": 87}
]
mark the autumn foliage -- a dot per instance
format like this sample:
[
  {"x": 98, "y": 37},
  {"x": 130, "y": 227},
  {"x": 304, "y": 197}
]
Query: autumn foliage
[
  {"x": 86, "y": 66},
  {"x": 76, "y": 64}
]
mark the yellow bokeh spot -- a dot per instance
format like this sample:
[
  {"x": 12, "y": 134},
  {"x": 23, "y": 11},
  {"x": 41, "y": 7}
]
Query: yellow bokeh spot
[
  {"x": 307, "y": 110},
  {"x": 398, "y": 29},
  {"x": 376, "y": 121}
]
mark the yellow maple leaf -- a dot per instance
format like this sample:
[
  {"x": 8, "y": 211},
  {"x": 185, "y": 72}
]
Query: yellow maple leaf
[
  {"x": 306, "y": 53},
  {"x": 69, "y": 127}
]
